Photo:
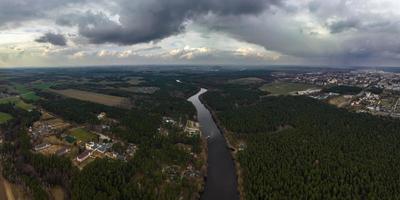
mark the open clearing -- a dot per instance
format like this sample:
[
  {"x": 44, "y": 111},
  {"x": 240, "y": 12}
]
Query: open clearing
[
  {"x": 339, "y": 101},
  {"x": 246, "y": 81},
  {"x": 42, "y": 85},
  {"x": 4, "y": 117},
  {"x": 142, "y": 90},
  {"x": 18, "y": 102},
  {"x": 25, "y": 93},
  {"x": 135, "y": 80},
  {"x": 104, "y": 99},
  {"x": 57, "y": 193},
  {"x": 31, "y": 96},
  {"x": 285, "y": 88},
  {"x": 82, "y": 134}
]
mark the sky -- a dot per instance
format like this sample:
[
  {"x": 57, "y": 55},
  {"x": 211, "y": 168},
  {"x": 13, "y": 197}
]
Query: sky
[{"x": 199, "y": 32}]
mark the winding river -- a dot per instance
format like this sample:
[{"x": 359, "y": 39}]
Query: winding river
[{"x": 221, "y": 182}]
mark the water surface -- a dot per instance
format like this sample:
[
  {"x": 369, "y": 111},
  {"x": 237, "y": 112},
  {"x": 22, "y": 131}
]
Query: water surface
[{"x": 221, "y": 180}]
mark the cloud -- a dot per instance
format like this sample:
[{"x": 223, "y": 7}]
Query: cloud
[
  {"x": 149, "y": 20},
  {"x": 307, "y": 31},
  {"x": 13, "y": 12},
  {"x": 337, "y": 31},
  {"x": 52, "y": 38}
]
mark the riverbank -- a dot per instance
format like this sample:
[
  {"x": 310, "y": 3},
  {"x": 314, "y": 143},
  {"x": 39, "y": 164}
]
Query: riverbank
[
  {"x": 230, "y": 141},
  {"x": 203, "y": 157}
]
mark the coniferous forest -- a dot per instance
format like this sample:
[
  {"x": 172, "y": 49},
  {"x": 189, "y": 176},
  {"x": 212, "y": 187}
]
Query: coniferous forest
[{"x": 298, "y": 147}]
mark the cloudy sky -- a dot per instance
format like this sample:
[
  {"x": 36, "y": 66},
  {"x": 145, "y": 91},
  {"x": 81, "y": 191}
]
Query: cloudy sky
[{"x": 250, "y": 32}]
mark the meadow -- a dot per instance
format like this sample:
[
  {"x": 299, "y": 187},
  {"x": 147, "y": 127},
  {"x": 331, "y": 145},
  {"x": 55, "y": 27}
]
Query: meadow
[
  {"x": 4, "y": 117},
  {"x": 104, "y": 99},
  {"x": 281, "y": 88},
  {"x": 82, "y": 134}
]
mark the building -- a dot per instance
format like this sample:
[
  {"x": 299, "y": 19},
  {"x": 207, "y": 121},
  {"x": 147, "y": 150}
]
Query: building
[
  {"x": 192, "y": 128},
  {"x": 42, "y": 146},
  {"x": 101, "y": 116},
  {"x": 101, "y": 148},
  {"x": 63, "y": 151},
  {"x": 83, "y": 156}
]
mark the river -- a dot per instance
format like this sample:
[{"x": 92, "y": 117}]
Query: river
[{"x": 221, "y": 182}]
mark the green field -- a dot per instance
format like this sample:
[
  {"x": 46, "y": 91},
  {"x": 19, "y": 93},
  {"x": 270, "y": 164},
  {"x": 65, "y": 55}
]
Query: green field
[
  {"x": 21, "y": 89},
  {"x": 285, "y": 88},
  {"x": 25, "y": 93},
  {"x": 43, "y": 86},
  {"x": 4, "y": 117},
  {"x": 25, "y": 106},
  {"x": 9, "y": 100},
  {"x": 18, "y": 102},
  {"x": 83, "y": 135},
  {"x": 31, "y": 96}
]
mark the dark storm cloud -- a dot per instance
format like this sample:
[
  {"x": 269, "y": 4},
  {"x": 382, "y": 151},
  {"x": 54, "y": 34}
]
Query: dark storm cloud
[
  {"x": 15, "y": 11},
  {"x": 52, "y": 38},
  {"x": 149, "y": 20},
  {"x": 343, "y": 25}
]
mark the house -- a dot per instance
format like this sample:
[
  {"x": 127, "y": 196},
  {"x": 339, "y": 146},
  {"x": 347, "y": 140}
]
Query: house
[
  {"x": 101, "y": 116},
  {"x": 101, "y": 148},
  {"x": 42, "y": 146},
  {"x": 192, "y": 128},
  {"x": 83, "y": 156}
]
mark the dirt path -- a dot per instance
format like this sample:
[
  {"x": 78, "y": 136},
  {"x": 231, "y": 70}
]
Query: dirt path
[{"x": 5, "y": 189}]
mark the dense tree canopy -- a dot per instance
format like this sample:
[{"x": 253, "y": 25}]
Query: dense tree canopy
[{"x": 298, "y": 147}]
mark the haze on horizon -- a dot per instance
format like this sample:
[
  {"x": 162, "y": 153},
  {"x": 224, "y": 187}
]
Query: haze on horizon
[{"x": 251, "y": 32}]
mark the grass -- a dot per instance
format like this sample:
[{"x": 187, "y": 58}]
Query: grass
[
  {"x": 31, "y": 96},
  {"x": 24, "y": 106},
  {"x": 104, "y": 99},
  {"x": 285, "y": 88},
  {"x": 9, "y": 100},
  {"x": 43, "y": 86},
  {"x": 18, "y": 102},
  {"x": 83, "y": 135},
  {"x": 25, "y": 93},
  {"x": 21, "y": 89},
  {"x": 4, "y": 117}
]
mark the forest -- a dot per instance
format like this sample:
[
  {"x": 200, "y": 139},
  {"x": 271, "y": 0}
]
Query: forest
[
  {"x": 343, "y": 89},
  {"x": 301, "y": 148}
]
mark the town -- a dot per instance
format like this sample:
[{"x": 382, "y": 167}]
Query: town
[{"x": 373, "y": 91}]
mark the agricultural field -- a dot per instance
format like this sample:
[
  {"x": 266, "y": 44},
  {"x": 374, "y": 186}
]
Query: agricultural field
[
  {"x": 25, "y": 106},
  {"x": 21, "y": 89},
  {"x": 31, "y": 96},
  {"x": 135, "y": 80},
  {"x": 282, "y": 88},
  {"x": 18, "y": 102},
  {"x": 25, "y": 93},
  {"x": 4, "y": 117},
  {"x": 246, "y": 81},
  {"x": 104, "y": 99},
  {"x": 142, "y": 90},
  {"x": 9, "y": 100},
  {"x": 83, "y": 135},
  {"x": 42, "y": 85}
]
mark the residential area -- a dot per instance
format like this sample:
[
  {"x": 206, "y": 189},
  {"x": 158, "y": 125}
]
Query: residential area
[{"x": 372, "y": 91}]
